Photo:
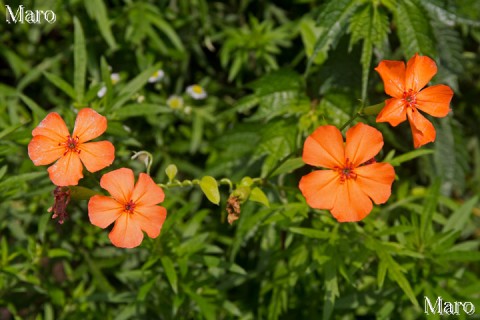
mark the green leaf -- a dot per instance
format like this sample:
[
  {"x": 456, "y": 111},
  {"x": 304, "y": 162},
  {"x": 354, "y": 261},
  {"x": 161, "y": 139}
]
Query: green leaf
[
  {"x": 15, "y": 180},
  {"x": 209, "y": 187},
  {"x": 80, "y": 60},
  {"x": 414, "y": 30},
  {"x": 459, "y": 219},
  {"x": 146, "y": 288},
  {"x": 310, "y": 233},
  {"x": 258, "y": 195},
  {"x": 170, "y": 273},
  {"x": 171, "y": 172},
  {"x": 309, "y": 33},
  {"x": 139, "y": 110},
  {"x": 61, "y": 84},
  {"x": 429, "y": 208},
  {"x": 332, "y": 21},
  {"x": 133, "y": 86},
  {"x": 82, "y": 193},
  {"x": 288, "y": 166},
  {"x": 409, "y": 156},
  {"x": 459, "y": 256},
  {"x": 97, "y": 10},
  {"x": 59, "y": 253},
  {"x": 33, "y": 106}
]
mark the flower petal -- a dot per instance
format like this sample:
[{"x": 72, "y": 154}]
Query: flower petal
[
  {"x": 393, "y": 76},
  {"x": 420, "y": 70},
  {"x": 53, "y": 127},
  {"x": 67, "y": 170},
  {"x": 320, "y": 188},
  {"x": 394, "y": 112},
  {"x": 147, "y": 192},
  {"x": 150, "y": 219},
  {"x": 435, "y": 100},
  {"x": 89, "y": 125},
  {"x": 423, "y": 131},
  {"x": 324, "y": 148},
  {"x": 126, "y": 232},
  {"x": 103, "y": 211},
  {"x": 43, "y": 150},
  {"x": 351, "y": 204},
  {"x": 363, "y": 143},
  {"x": 376, "y": 180},
  {"x": 97, "y": 155},
  {"x": 119, "y": 183}
]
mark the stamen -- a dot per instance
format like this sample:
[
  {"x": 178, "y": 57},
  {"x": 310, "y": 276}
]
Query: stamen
[
  {"x": 129, "y": 207},
  {"x": 71, "y": 145},
  {"x": 410, "y": 98},
  {"x": 346, "y": 172}
]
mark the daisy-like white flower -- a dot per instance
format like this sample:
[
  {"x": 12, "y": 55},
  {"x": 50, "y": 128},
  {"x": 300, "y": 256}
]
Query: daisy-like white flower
[
  {"x": 156, "y": 76},
  {"x": 114, "y": 77},
  {"x": 197, "y": 92},
  {"x": 102, "y": 92},
  {"x": 175, "y": 102}
]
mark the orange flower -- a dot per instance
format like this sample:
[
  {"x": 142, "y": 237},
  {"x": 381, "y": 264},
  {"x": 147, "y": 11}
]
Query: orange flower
[
  {"x": 354, "y": 176},
  {"x": 133, "y": 208},
  {"x": 51, "y": 141},
  {"x": 405, "y": 88}
]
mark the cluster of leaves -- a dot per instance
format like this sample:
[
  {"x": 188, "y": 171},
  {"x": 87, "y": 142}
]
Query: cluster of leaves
[{"x": 273, "y": 73}]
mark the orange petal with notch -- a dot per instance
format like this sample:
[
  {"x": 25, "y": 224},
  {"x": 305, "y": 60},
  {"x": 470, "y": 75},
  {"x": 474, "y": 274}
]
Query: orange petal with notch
[
  {"x": 423, "y": 131},
  {"x": 435, "y": 100},
  {"x": 320, "y": 188},
  {"x": 97, "y": 155},
  {"x": 89, "y": 125},
  {"x": 44, "y": 150},
  {"x": 119, "y": 183},
  {"x": 363, "y": 143},
  {"x": 126, "y": 232},
  {"x": 53, "y": 127},
  {"x": 67, "y": 171},
  {"x": 376, "y": 181},
  {"x": 420, "y": 70},
  {"x": 393, "y": 76},
  {"x": 394, "y": 112},
  {"x": 103, "y": 211},
  {"x": 147, "y": 192},
  {"x": 324, "y": 147},
  {"x": 351, "y": 204},
  {"x": 150, "y": 219}
]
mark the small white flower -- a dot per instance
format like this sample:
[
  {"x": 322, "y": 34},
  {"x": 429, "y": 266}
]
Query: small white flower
[
  {"x": 102, "y": 92},
  {"x": 114, "y": 77},
  {"x": 196, "y": 92},
  {"x": 140, "y": 99},
  {"x": 156, "y": 76},
  {"x": 175, "y": 102}
]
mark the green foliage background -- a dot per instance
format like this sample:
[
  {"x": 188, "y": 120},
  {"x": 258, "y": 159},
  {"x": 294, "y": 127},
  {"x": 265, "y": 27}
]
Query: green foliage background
[{"x": 274, "y": 71}]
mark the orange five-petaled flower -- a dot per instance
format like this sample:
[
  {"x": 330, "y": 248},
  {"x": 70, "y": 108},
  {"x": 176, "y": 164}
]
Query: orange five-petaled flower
[
  {"x": 51, "y": 141},
  {"x": 133, "y": 208},
  {"x": 353, "y": 176},
  {"x": 405, "y": 88}
]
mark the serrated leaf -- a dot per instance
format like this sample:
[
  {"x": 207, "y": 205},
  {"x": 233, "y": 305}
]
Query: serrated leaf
[
  {"x": 209, "y": 187},
  {"x": 309, "y": 33},
  {"x": 332, "y": 21},
  {"x": 258, "y": 195},
  {"x": 80, "y": 60},
  {"x": 414, "y": 30}
]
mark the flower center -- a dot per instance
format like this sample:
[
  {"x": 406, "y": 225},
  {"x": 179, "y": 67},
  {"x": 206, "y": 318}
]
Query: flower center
[
  {"x": 410, "y": 98},
  {"x": 197, "y": 89},
  {"x": 346, "y": 172},
  {"x": 129, "y": 207},
  {"x": 71, "y": 145}
]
